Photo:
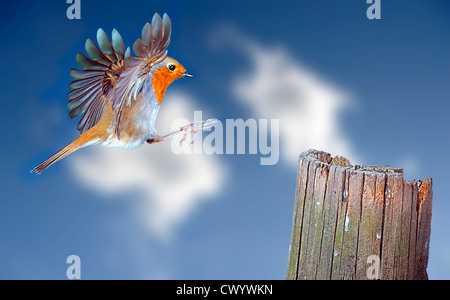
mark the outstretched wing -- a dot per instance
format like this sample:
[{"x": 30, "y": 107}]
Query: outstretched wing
[
  {"x": 110, "y": 74},
  {"x": 100, "y": 72},
  {"x": 150, "y": 50}
]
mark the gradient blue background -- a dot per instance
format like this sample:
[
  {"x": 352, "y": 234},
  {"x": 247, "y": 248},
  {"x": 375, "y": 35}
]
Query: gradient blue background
[{"x": 398, "y": 66}]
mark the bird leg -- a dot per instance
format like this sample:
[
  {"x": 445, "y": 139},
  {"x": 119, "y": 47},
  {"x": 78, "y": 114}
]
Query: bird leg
[{"x": 190, "y": 129}]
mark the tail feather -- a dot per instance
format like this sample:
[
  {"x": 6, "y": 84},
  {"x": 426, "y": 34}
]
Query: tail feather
[{"x": 72, "y": 147}]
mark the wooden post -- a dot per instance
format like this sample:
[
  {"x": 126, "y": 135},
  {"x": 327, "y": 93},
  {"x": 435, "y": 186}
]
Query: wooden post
[{"x": 358, "y": 222}]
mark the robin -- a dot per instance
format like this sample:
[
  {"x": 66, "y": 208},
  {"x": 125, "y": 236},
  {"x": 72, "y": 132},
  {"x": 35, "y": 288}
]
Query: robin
[{"x": 118, "y": 95}]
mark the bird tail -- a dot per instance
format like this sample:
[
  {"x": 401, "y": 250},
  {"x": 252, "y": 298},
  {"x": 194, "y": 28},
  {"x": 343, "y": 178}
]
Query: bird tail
[{"x": 82, "y": 141}]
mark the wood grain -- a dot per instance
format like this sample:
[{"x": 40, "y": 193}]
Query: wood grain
[{"x": 346, "y": 215}]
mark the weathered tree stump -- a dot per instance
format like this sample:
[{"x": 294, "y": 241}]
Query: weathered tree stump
[{"x": 358, "y": 222}]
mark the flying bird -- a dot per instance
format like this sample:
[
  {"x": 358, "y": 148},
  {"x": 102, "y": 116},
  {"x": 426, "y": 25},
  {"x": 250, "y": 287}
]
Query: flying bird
[{"x": 118, "y": 95}]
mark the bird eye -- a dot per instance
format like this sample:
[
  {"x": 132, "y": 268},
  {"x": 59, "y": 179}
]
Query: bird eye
[{"x": 171, "y": 67}]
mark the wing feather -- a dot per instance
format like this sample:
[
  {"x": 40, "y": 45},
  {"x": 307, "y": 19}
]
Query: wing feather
[
  {"x": 82, "y": 74},
  {"x": 147, "y": 35},
  {"x": 118, "y": 45},
  {"x": 79, "y": 83},
  {"x": 79, "y": 104},
  {"x": 139, "y": 48},
  {"x": 87, "y": 63},
  {"x": 99, "y": 72},
  {"x": 105, "y": 45},
  {"x": 158, "y": 30},
  {"x": 95, "y": 53}
]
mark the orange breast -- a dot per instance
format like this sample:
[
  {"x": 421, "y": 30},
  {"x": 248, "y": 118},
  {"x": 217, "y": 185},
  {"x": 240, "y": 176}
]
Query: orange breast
[{"x": 160, "y": 81}]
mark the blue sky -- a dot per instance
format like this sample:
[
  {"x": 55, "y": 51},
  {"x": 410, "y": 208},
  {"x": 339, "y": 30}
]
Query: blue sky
[{"x": 383, "y": 87}]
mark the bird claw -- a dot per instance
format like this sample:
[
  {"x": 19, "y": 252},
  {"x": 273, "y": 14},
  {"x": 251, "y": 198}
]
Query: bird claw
[
  {"x": 192, "y": 134},
  {"x": 191, "y": 130}
]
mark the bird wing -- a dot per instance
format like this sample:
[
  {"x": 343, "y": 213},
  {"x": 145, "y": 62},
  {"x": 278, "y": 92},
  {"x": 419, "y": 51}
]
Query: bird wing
[
  {"x": 111, "y": 74},
  {"x": 149, "y": 51},
  {"x": 100, "y": 73}
]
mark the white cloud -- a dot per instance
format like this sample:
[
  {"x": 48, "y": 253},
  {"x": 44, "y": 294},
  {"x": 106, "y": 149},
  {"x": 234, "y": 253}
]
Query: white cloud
[
  {"x": 168, "y": 186},
  {"x": 278, "y": 86}
]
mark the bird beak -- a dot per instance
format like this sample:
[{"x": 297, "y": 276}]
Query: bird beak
[{"x": 186, "y": 74}]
